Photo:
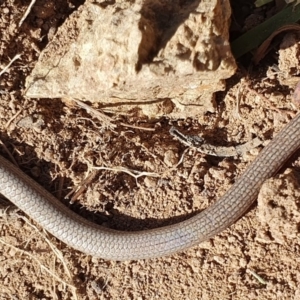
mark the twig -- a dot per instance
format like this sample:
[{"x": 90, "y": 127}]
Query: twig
[
  {"x": 9, "y": 154},
  {"x": 76, "y": 193},
  {"x": 104, "y": 118},
  {"x": 10, "y": 63},
  {"x": 99, "y": 115},
  {"x": 134, "y": 173},
  {"x": 27, "y": 12},
  {"x": 56, "y": 251},
  {"x": 40, "y": 264},
  {"x": 260, "y": 279},
  {"x": 16, "y": 114}
]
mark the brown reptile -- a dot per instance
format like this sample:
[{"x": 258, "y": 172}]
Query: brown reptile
[{"x": 106, "y": 243}]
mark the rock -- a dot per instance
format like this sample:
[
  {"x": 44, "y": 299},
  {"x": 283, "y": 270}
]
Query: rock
[{"x": 158, "y": 57}]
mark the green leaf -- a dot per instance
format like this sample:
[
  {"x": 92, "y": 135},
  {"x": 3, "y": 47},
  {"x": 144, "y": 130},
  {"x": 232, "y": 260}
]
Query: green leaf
[
  {"x": 259, "y": 3},
  {"x": 254, "y": 37}
]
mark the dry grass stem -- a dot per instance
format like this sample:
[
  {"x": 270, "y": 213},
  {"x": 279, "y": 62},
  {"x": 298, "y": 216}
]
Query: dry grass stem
[
  {"x": 108, "y": 122},
  {"x": 261, "y": 280},
  {"x": 57, "y": 252},
  {"x": 27, "y": 12},
  {"x": 78, "y": 191},
  {"x": 10, "y": 63},
  {"x": 73, "y": 288},
  {"x": 134, "y": 173},
  {"x": 9, "y": 153}
]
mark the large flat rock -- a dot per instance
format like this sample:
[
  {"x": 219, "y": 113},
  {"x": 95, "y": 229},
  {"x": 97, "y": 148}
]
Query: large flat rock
[{"x": 158, "y": 57}]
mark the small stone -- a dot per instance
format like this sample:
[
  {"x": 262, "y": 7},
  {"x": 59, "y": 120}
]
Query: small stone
[
  {"x": 150, "y": 182},
  {"x": 170, "y": 158}
]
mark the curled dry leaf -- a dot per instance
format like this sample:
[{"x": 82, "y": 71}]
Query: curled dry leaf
[{"x": 265, "y": 46}]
